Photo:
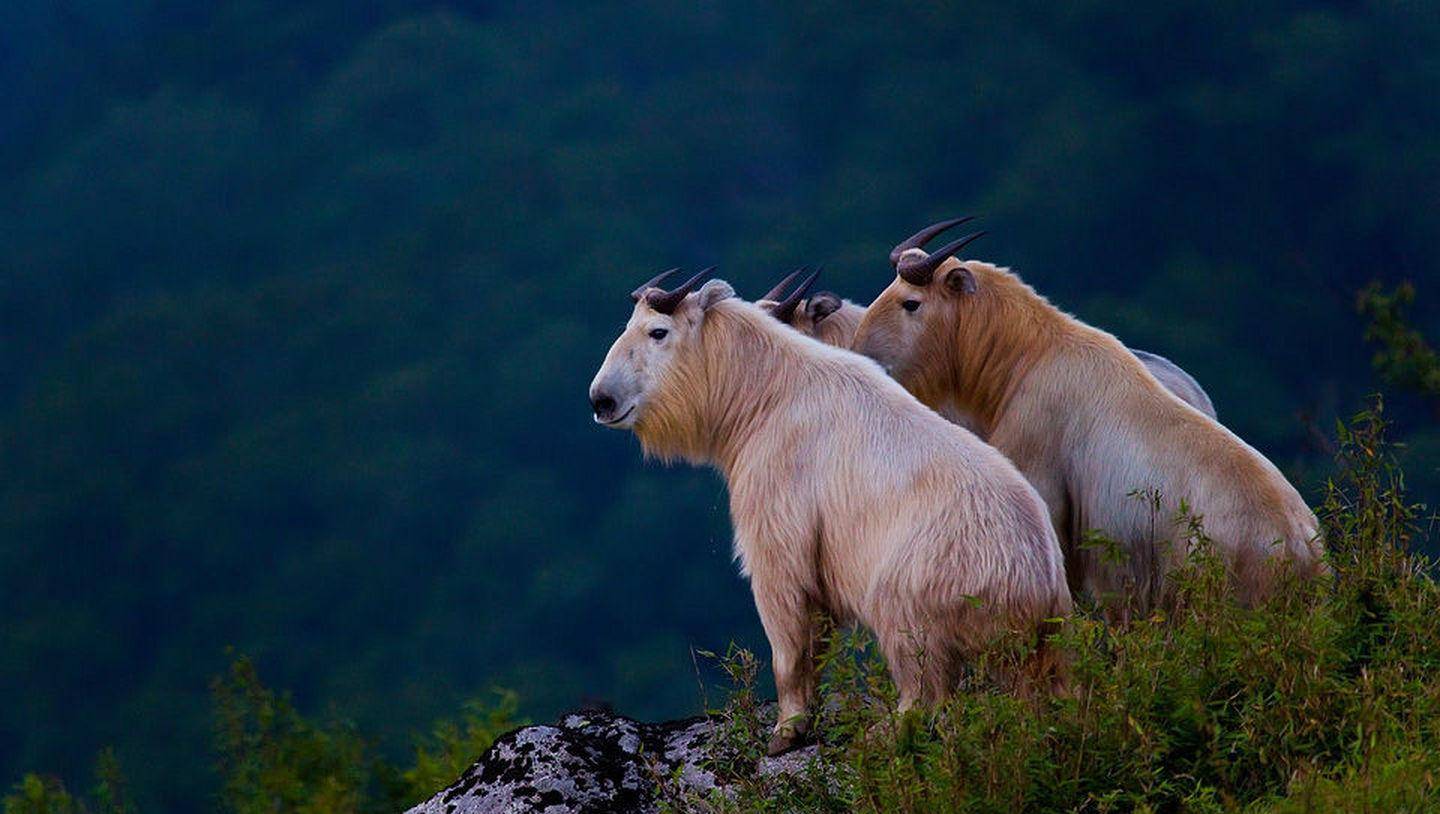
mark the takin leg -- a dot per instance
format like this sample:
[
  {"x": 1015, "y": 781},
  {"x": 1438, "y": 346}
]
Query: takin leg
[
  {"x": 925, "y": 672},
  {"x": 786, "y": 614},
  {"x": 919, "y": 642},
  {"x": 923, "y": 665}
]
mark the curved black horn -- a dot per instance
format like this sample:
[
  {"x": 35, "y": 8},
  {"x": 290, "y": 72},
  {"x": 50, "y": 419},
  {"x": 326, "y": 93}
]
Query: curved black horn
[
  {"x": 665, "y": 302},
  {"x": 784, "y": 310},
  {"x": 920, "y": 238},
  {"x": 920, "y": 271},
  {"x": 781, "y": 287},
  {"x": 653, "y": 282}
]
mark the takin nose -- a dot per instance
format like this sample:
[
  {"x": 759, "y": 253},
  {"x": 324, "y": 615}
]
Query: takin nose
[{"x": 604, "y": 407}]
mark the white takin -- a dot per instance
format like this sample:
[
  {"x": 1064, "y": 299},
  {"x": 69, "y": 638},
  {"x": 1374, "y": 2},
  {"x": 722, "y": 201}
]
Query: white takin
[{"x": 849, "y": 499}]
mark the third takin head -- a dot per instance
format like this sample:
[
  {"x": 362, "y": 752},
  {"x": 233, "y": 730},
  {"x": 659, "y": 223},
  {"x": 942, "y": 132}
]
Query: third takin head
[{"x": 822, "y": 315}]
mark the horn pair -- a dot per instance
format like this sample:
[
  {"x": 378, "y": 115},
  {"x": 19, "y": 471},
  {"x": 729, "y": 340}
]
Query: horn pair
[
  {"x": 665, "y": 302},
  {"x": 784, "y": 310},
  {"x": 921, "y": 271}
]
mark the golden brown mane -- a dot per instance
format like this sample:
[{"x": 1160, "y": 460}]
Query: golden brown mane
[
  {"x": 720, "y": 388},
  {"x": 1002, "y": 330}
]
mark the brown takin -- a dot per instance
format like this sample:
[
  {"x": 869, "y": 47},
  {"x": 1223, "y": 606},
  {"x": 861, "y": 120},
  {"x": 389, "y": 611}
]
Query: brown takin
[
  {"x": 834, "y": 321},
  {"x": 1088, "y": 424},
  {"x": 849, "y": 499}
]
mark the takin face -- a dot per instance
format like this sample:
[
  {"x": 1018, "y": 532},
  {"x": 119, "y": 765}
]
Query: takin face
[
  {"x": 658, "y": 332},
  {"x": 911, "y": 322}
]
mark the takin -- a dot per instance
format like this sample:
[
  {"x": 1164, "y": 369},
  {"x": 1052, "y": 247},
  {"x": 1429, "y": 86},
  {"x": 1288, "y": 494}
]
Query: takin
[
  {"x": 849, "y": 499},
  {"x": 822, "y": 315},
  {"x": 1089, "y": 425},
  {"x": 834, "y": 321}
]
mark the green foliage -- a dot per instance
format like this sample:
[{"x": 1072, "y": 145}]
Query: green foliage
[
  {"x": 1324, "y": 698},
  {"x": 273, "y": 759},
  {"x": 1405, "y": 358},
  {"x": 41, "y": 795},
  {"x": 47, "y": 795},
  {"x": 453, "y": 745},
  {"x": 112, "y": 789}
]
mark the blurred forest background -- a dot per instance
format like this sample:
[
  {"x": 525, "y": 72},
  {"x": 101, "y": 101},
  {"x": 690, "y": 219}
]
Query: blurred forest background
[{"x": 301, "y": 299}]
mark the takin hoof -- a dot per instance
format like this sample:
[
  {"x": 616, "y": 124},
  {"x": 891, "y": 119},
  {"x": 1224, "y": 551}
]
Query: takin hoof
[{"x": 789, "y": 735}]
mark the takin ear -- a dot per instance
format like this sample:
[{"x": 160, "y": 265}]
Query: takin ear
[
  {"x": 959, "y": 280},
  {"x": 713, "y": 292},
  {"x": 822, "y": 305}
]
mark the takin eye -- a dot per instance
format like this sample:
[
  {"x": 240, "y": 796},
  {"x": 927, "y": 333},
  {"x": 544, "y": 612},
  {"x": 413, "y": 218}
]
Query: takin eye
[
  {"x": 910, "y": 305},
  {"x": 658, "y": 334}
]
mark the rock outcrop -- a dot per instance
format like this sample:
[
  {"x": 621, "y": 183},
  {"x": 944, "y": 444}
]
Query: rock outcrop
[{"x": 593, "y": 761}]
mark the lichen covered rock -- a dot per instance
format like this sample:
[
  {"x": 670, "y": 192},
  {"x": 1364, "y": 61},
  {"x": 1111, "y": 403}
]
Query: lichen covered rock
[{"x": 592, "y": 761}]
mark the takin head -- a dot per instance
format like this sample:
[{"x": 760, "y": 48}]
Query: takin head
[
  {"x": 822, "y": 315},
  {"x": 919, "y": 312},
  {"x": 663, "y": 326}
]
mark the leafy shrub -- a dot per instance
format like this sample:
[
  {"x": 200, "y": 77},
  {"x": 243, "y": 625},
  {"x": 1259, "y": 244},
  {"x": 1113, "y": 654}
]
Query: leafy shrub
[
  {"x": 1404, "y": 358},
  {"x": 41, "y": 795},
  {"x": 453, "y": 746},
  {"x": 273, "y": 759},
  {"x": 47, "y": 795}
]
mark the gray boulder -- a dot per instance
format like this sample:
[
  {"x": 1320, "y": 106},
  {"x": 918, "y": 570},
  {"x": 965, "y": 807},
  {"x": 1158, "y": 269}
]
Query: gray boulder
[{"x": 593, "y": 761}]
